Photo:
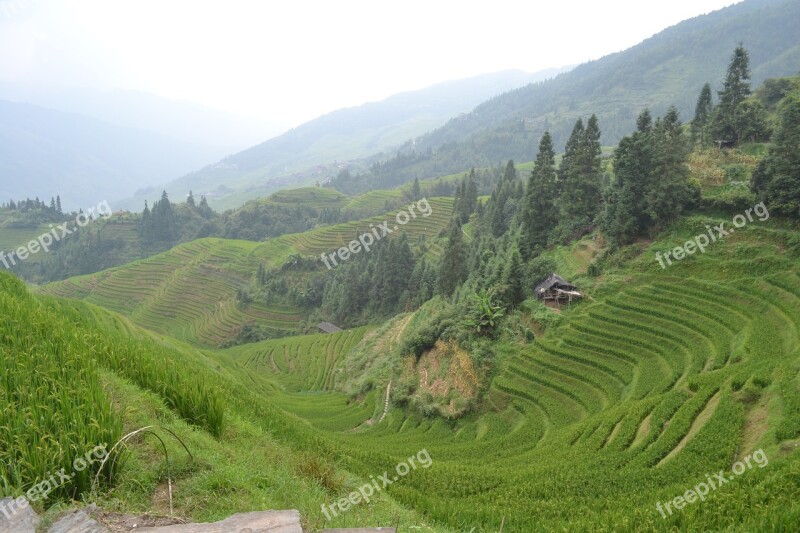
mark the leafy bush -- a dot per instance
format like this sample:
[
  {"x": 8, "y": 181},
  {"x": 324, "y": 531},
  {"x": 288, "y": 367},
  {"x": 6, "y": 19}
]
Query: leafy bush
[
  {"x": 429, "y": 326},
  {"x": 730, "y": 199},
  {"x": 483, "y": 314}
]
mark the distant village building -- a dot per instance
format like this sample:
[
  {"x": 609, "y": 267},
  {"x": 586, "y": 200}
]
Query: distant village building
[
  {"x": 556, "y": 289},
  {"x": 327, "y": 327}
]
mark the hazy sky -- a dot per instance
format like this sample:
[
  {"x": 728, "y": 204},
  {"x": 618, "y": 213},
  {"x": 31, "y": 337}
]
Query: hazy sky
[{"x": 292, "y": 60}]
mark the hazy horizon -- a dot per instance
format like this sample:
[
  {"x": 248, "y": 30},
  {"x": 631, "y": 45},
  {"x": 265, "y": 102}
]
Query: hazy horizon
[{"x": 286, "y": 65}]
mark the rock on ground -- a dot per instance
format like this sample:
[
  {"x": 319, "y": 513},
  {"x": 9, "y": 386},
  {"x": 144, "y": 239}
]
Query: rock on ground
[
  {"x": 15, "y": 519},
  {"x": 258, "y": 522},
  {"x": 78, "y": 522}
]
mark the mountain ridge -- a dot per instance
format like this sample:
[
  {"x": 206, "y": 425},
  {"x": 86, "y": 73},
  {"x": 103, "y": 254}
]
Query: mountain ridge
[{"x": 342, "y": 135}]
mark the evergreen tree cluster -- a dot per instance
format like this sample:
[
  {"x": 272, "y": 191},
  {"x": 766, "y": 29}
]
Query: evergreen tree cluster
[
  {"x": 776, "y": 180},
  {"x": 738, "y": 117},
  {"x": 558, "y": 204},
  {"x": 580, "y": 177},
  {"x": 466, "y": 196},
  {"x": 378, "y": 284},
  {"x": 32, "y": 212},
  {"x": 159, "y": 224},
  {"x": 651, "y": 186}
]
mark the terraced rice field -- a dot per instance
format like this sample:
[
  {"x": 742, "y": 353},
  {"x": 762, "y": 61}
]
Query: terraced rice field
[
  {"x": 330, "y": 238},
  {"x": 632, "y": 400},
  {"x": 374, "y": 201},
  {"x": 314, "y": 197},
  {"x": 126, "y": 230},
  {"x": 189, "y": 292},
  {"x": 13, "y": 238},
  {"x": 304, "y": 370}
]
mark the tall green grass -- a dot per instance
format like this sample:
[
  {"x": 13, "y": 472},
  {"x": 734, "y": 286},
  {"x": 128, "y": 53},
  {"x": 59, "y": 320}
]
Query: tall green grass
[{"x": 53, "y": 409}]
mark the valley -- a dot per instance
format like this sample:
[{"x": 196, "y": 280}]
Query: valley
[{"x": 575, "y": 307}]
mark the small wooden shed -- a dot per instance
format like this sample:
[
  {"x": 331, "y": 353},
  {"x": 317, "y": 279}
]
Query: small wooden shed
[{"x": 556, "y": 289}]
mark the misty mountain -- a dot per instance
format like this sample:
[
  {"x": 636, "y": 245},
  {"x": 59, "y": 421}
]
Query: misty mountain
[
  {"x": 342, "y": 135},
  {"x": 667, "y": 69},
  {"x": 45, "y": 152},
  {"x": 186, "y": 121}
]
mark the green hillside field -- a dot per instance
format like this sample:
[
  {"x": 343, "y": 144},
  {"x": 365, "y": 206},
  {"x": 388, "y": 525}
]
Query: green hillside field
[
  {"x": 189, "y": 292},
  {"x": 661, "y": 379}
]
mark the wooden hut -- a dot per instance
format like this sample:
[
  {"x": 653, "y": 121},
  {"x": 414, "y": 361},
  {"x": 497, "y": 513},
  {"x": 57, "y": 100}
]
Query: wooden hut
[{"x": 556, "y": 289}]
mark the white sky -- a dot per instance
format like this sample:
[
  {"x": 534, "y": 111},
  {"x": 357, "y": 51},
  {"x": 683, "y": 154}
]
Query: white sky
[{"x": 292, "y": 60}]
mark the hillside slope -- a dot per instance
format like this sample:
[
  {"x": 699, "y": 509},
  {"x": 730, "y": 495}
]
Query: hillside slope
[
  {"x": 669, "y": 68},
  {"x": 638, "y": 394},
  {"x": 342, "y": 135},
  {"x": 650, "y": 387},
  {"x": 190, "y": 291}
]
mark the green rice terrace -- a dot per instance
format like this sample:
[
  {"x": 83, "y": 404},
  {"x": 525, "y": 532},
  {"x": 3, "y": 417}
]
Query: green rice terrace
[
  {"x": 189, "y": 292},
  {"x": 634, "y": 398},
  {"x": 657, "y": 382}
]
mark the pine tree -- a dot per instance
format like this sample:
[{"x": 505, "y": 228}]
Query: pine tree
[
  {"x": 499, "y": 211},
  {"x": 190, "y": 200},
  {"x": 415, "y": 190},
  {"x": 510, "y": 173},
  {"x": 644, "y": 122},
  {"x": 702, "y": 116},
  {"x": 651, "y": 183},
  {"x": 776, "y": 179},
  {"x": 539, "y": 215},
  {"x": 624, "y": 215},
  {"x": 452, "y": 270},
  {"x": 58, "y": 205},
  {"x": 460, "y": 206},
  {"x": 146, "y": 229},
  {"x": 513, "y": 280},
  {"x": 167, "y": 228},
  {"x": 736, "y": 90},
  {"x": 580, "y": 197},
  {"x": 670, "y": 191},
  {"x": 751, "y": 121},
  {"x": 471, "y": 196},
  {"x": 204, "y": 210},
  {"x": 571, "y": 150}
]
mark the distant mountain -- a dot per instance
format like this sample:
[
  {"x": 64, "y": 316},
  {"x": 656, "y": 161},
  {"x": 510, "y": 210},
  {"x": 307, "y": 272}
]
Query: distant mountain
[
  {"x": 342, "y": 135},
  {"x": 667, "y": 69},
  {"x": 45, "y": 152},
  {"x": 185, "y": 121}
]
